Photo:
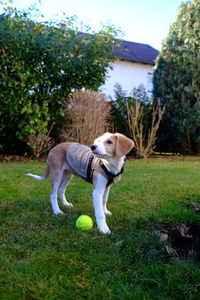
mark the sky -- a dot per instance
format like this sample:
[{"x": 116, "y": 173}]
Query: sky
[{"x": 142, "y": 21}]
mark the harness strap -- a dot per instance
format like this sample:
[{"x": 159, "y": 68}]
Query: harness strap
[
  {"x": 89, "y": 168},
  {"x": 110, "y": 175}
]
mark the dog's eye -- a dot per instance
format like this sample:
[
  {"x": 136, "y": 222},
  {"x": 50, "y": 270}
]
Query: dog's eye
[{"x": 109, "y": 142}]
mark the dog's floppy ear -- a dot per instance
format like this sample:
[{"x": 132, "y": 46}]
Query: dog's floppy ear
[{"x": 123, "y": 144}]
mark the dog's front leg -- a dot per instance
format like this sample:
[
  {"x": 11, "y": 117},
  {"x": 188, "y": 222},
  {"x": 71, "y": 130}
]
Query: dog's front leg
[
  {"x": 105, "y": 198},
  {"x": 98, "y": 193}
]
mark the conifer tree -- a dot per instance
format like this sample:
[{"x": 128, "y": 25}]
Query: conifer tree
[{"x": 177, "y": 82}]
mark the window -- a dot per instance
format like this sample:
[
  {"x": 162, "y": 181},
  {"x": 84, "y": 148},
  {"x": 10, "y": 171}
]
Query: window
[{"x": 149, "y": 82}]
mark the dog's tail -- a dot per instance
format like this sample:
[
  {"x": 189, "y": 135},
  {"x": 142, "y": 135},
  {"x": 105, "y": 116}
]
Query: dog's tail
[{"x": 40, "y": 178}]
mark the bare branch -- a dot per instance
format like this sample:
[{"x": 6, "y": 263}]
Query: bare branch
[
  {"x": 144, "y": 143},
  {"x": 40, "y": 142}
]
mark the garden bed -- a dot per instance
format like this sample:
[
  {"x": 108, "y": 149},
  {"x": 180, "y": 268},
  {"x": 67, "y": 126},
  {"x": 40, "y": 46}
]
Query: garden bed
[{"x": 11, "y": 157}]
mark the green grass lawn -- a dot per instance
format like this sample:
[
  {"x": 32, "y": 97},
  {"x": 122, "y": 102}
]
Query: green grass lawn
[{"x": 45, "y": 257}]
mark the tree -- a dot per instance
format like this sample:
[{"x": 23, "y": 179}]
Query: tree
[
  {"x": 40, "y": 65},
  {"x": 177, "y": 81}
]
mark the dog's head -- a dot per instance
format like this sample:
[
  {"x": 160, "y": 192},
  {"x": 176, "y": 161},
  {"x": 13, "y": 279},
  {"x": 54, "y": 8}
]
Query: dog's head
[{"x": 112, "y": 145}]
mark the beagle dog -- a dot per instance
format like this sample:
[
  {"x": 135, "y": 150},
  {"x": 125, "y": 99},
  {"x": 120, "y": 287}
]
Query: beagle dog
[{"x": 101, "y": 164}]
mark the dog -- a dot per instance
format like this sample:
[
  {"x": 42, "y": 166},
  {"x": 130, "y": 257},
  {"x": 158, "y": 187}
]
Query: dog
[{"x": 100, "y": 164}]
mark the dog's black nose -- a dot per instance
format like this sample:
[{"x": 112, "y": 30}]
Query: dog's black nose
[{"x": 93, "y": 147}]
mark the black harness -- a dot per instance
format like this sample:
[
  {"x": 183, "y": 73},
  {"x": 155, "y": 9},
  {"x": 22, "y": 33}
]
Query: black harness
[
  {"x": 89, "y": 169},
  {"x": 110, "y": 176}
]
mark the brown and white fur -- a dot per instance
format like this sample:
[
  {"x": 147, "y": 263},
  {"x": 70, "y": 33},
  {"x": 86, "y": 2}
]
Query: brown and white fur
[{"x": 112, "y": 149}]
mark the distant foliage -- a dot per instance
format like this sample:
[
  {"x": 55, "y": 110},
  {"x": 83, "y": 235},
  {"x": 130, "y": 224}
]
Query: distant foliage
[
  {"x": 87, "y": 117},
  {"x": 177, "y": 82},
  {"x": 40, "y": 65}
]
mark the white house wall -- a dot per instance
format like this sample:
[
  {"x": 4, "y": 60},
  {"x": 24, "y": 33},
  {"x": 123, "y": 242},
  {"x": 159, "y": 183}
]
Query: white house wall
[{"x": 128, "y": 75}]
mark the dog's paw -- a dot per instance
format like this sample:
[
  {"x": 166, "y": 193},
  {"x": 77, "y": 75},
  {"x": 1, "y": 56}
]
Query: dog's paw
[
  {"x": 68, "y": 204},
  {"x": 58, "y": 212},
  {"x": 103, "y": 228},
  {"x": 107, "y": 212}
]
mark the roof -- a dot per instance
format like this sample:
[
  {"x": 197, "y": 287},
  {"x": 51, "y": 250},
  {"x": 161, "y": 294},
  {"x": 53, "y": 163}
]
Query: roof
[{"x": 136, "y": 52}]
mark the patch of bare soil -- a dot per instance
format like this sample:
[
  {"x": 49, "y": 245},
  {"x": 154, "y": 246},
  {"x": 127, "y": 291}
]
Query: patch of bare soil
[
  {"x": 185, "y": 240},
  {"x": 171, "y": 156},
  {"x": 166, "y": 156},
  {"x": 182, "y": 242},
  {"x": 9, "y": 158}
]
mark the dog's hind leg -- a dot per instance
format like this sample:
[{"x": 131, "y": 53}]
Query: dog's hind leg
[
  {"x": 66, "y": 178},
  {"x": 56, "y": 180}
]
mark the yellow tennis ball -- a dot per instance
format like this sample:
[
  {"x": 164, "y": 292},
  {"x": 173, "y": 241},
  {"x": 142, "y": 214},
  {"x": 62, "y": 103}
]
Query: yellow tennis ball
[{"x": 84, "y": 223}]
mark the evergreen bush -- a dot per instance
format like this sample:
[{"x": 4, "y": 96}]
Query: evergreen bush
[{"x": 177, "y": 82}]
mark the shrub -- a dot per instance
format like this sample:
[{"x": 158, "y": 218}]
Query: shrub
[
  {"x": 87, "y": 117},
  {"x": 135, "y": 116},
  {"x": 119, "y": 106},
  {"x": 40, "y": 142},
  {"x": 144, "y": 136},
  {"x": 39, "y": 67}
]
